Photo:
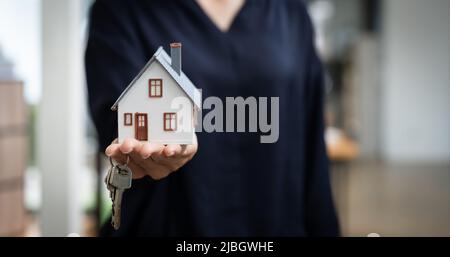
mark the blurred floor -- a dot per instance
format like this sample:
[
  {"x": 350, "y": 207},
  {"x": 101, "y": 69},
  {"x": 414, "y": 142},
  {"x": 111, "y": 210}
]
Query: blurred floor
[{"x": 394, "y": 200}]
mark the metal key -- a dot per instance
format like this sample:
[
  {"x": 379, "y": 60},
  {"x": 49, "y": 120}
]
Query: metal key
[
  {"x": 108, "y": 178},
  {"x": 120, "y": 180}
]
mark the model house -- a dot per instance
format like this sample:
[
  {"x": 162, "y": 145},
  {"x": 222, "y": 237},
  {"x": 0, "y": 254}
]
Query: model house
[{"x": 160, "y": 104}]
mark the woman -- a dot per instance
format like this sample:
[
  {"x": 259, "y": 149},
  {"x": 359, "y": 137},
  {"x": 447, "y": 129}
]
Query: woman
[{"x": 228, "y": 184}]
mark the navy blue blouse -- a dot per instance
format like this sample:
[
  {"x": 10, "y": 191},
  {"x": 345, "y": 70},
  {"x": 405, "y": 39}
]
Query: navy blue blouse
[{"x": 234, "y": 186}]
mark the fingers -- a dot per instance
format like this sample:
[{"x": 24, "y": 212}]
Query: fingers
[
  {"x": 129, "y": 145},
  {"x": 131, "y": 148},
  {"x": 182, "y": 151},
  {"x": 141, "y": 156},
  {"x": 112, "y": 149},
  {"x": 155, "y": 160},
  {"x": 148, "y": 149},
  {"x": 114, "y": 152},
  {"x": 189, "y": 150},
  {"x": 175, "y": 156},
  {"x": 172, "y": 150},
  {"x": 136, "y": 151}
]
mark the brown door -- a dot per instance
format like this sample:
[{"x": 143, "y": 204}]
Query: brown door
[{"x": 141, "y": 127}]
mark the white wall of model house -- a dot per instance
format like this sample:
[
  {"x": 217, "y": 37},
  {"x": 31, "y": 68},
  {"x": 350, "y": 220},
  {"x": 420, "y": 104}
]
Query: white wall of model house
[{"x": 137, "y": 100}]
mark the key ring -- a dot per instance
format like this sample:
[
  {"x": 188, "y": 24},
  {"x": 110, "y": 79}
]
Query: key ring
[{"x": 128, "y": 160}]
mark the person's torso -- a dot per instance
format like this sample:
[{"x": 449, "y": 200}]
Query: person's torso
[{"x": 234, "y": 185}]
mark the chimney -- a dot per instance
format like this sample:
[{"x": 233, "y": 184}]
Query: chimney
[{"x": 175, "y": 55}]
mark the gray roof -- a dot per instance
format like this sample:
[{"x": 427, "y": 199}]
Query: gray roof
[{"x": 182, "y": 80}]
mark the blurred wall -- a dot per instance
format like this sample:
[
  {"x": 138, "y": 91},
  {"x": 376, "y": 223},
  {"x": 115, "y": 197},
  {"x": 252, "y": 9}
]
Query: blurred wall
[
  {"x": 61, "y": 128},
  {"x": 20, "y": 39},
  {"x": 416, "y": 90}
]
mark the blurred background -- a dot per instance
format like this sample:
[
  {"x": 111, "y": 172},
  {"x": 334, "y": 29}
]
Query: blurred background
[{"x": 388, "y": 117}]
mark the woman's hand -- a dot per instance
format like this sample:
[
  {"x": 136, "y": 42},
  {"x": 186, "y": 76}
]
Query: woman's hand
[{"x": 155, "y": 160}]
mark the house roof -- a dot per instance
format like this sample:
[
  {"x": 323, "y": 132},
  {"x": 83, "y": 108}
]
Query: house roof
[{"x": 182, "y": 80}]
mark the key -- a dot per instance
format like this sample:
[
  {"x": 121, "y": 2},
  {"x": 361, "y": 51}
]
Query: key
[
  {"x": 108, "y": 179},
  {"x": 120, "y": 180}
]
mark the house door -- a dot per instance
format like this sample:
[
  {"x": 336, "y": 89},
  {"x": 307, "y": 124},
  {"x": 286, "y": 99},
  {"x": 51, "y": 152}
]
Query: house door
[{"x": 141, "y": 126}]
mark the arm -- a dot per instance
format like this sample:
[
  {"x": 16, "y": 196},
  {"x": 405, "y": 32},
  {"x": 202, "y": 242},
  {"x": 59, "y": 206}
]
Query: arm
[{"x": 113, "y": 57}]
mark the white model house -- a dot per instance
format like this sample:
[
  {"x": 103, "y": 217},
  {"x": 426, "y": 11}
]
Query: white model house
[{"x": 160, "y": 104}]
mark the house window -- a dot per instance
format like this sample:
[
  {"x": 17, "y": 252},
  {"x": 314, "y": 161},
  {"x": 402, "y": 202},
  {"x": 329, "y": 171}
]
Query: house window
[
  {"x": 170, "y": 121},
  {"x": 141, "y": 121},
  {"x": 127, "y": 119},
  {"x": 155, "y": 87}
]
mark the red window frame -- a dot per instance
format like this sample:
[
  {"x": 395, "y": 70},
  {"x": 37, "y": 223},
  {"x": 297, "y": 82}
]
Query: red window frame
[
  {"x": 155, "y": 84},
  {"x": 128, "y": 119},
  {"x": 168, "y": 118}
]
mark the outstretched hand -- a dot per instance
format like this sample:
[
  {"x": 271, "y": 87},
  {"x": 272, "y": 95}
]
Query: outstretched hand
[{"x": 152, "y": 159}]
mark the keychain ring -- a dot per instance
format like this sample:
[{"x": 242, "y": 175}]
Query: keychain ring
[{"x": 128, "y": 160}]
